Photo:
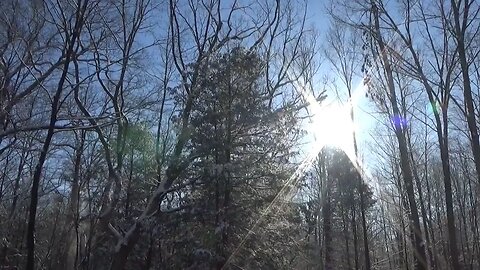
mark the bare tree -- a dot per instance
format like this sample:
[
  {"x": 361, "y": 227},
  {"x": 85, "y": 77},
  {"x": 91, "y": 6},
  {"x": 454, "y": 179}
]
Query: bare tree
[
  {"x": 345, "y": 56},
  {"x": 70, "y": 47}
]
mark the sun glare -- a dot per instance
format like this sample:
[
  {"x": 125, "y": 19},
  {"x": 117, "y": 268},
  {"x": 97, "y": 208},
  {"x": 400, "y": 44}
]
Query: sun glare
[
  {"x": 330, "y": 124},
  {"x": 333, "y": 127}
]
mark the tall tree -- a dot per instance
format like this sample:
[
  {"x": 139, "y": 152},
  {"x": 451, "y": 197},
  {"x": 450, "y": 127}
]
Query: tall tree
[
  {"x": 346, "y": 58},
  {"x": 71, "y": 38},
  {"x": 399, "y": 124}
]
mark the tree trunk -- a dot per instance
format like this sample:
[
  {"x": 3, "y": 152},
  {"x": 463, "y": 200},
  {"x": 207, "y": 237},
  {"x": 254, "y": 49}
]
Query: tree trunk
[
  {"x": 80, "y": 12},
  {"x": 71, "y": 251},
  {"x": 422, "y": 208},
  {"x": 368, "y": 264},
  {"x": 419, "y": 248},
  {"x": 355, "y": 237},
  {"x": 327, "y": 229},
  {"x": 467, "y": 88}
]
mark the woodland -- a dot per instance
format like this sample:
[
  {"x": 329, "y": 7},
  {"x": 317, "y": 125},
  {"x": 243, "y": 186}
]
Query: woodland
[{"x": 196, "y": 134}]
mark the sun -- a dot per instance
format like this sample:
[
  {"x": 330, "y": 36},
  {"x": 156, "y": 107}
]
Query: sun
[
  {"x": 333, "y": 126},
  {"x": 330, "y": 124}
]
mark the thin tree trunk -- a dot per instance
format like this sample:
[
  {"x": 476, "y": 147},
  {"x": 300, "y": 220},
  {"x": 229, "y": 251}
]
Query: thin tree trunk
[
  {"x": 420, "y": 257},
  {"x": 17, "y": 185},
  {"x": 71, "y": 252},
  {"x": 385, "y": 237},
  {"x": 460, "y": 28},
  {"x": 355, "y": 237},
  {"x": 30, "y": 265},
  {"x": 422, "y": 208},
  {"x": 346, "y": 238},
  {"x": 368, "y": 264},
  {"x": 327, "y": 229}
]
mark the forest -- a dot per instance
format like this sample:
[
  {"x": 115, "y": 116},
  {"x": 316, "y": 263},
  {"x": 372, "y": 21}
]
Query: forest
[{"x": 239, "y": 134}]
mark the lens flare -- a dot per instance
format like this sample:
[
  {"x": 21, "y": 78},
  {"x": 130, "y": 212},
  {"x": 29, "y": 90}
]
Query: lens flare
[{"x": 399, "y": 122}]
